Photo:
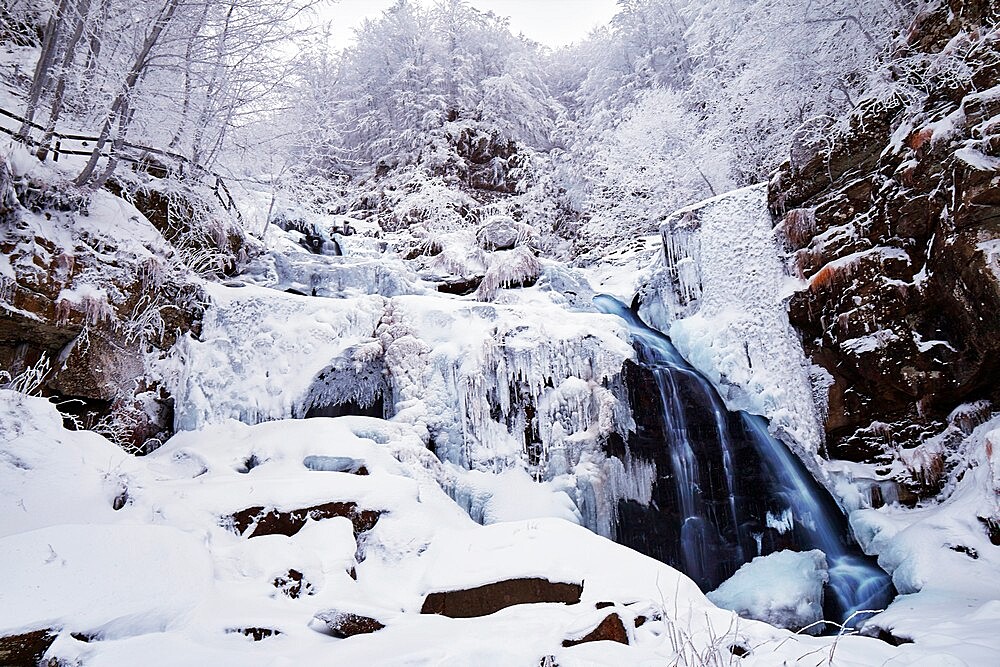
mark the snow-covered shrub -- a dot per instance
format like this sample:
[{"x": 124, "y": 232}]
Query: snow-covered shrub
[
  {"x": 459, "y": 256},
  {"x": 415, "y": 198},
  {"x": 29, "y": 379},
  {"x": 509, "y": 268}
]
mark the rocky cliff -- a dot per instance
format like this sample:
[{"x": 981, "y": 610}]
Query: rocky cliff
[
  {"x": 93, "y": 296},
  {"x": 891, "y": 216}
]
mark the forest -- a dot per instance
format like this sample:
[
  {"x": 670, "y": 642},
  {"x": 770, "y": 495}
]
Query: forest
[{"x": 675, "y": 344}]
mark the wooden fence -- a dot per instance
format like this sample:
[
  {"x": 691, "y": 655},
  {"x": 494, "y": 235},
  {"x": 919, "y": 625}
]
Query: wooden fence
[{"x": 146, "y": 157}]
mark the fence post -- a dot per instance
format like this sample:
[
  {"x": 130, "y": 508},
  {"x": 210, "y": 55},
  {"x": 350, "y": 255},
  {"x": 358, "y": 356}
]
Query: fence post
[{"x": 55, "y": 151}]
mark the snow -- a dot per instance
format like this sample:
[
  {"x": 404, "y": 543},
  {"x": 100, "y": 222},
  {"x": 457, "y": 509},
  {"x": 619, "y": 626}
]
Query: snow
[
  {"x": 992, "y": 251},
  {"x": 94, "y": 578},
  {"x": 871, "y": 342},
  {"x": 784, "y": 588},
  {"x": 721, "y": 298},
  {"x": 162, "y": 580},
  {"x": 977, "y": 160},
  {"x": 942, "y": 562}
]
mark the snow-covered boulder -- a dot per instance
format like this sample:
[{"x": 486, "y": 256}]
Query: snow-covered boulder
[
  {"x": 784, "y": 588},
  {"x": 502, "y": 232}
]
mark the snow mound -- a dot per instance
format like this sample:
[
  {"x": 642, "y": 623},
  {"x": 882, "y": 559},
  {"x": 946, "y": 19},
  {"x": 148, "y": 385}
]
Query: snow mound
[
  {"x": 95, "y": 579},
  {"x": 942, "y": 560},
  {"x": 784, "y": 588}
]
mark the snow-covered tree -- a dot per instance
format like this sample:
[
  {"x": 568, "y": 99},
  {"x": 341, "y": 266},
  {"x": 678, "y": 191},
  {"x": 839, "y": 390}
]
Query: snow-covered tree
[{"x": 652, "y": 162}]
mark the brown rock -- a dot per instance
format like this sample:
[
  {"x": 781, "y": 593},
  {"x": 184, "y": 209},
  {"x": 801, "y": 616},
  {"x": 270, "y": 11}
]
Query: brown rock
[
  {"x": 610, "y": 629},
  {"x": 903, "y": 305},
  {"x": 25, "y": 650},
  {"x": 348, "y": 624},
  {"x": 293, "y": 584},
  {"x": 257, "y": 521},
  {"x": 490, "y": 598}
]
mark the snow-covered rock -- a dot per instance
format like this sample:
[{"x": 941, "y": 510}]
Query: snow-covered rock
[{"x": 784, "y": 588}]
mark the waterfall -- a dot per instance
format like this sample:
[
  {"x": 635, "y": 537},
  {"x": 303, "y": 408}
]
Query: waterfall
[{"x": 730, "y": 489}]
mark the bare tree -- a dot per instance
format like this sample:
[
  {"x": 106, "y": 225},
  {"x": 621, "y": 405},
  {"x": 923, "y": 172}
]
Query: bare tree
[{"x": 120, "y": 115}]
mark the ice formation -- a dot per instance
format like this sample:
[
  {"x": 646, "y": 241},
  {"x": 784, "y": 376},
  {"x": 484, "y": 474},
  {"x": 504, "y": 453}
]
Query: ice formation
[
  {"x": 720, "y": 294},
  {"x": 260, "y": 350},
  {"x": 528, "y": 386},
  {"x": 784, "y": 588}
]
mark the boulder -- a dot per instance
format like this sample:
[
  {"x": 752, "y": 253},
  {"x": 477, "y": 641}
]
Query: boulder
[
  {"x": 342, "y": 623},
  {"x": 610, "y": 629},
  {"x": 490, "y": 598},
  {"x": 502, "y": 232},
  {"x": 257, "y": 521},
  {"x": 101, "y": 296}
]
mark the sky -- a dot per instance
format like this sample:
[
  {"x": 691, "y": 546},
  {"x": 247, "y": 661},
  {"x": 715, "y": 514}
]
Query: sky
[{"x": 552, "y": 22}]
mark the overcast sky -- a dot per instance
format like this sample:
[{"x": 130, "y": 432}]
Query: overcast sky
[{"x": 551, "y": 22}]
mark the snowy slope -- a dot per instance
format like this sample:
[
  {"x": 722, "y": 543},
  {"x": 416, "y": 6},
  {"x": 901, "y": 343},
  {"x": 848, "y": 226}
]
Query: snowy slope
[{"x": 164, "y": 581}]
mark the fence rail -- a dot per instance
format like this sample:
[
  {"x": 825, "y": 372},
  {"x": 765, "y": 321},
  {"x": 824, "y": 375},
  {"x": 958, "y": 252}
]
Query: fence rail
[{"x": 137, "y": 154}]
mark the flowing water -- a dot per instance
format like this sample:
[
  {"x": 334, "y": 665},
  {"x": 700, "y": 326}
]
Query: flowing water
[{"x": 736, "y": 492}]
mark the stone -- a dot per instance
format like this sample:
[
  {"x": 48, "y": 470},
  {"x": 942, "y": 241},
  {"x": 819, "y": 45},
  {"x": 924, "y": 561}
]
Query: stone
[
  {"x": 348, "y": 623},
  {"x": 460, "y": 286},
  {"x": 25, "y": 650},
  {"x": 490, "y": 598},
  {"x": 256, "y": 634},
  {"x": 502, "y": 232},
  {"x": 293, "y": 584},
  {"x": 610, "y": 629},
  {"x": 257, "y": 521}
]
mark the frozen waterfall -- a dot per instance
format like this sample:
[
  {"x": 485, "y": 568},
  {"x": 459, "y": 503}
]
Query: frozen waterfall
[{"x": 708, "y": 457}]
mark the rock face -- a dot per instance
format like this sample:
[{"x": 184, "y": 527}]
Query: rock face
[
  {"x": 92, "y": 293},
  {"x": 83, "y": 306},
  {"x": 490, "y": 598},
  {"x": 892, "y": 217}
]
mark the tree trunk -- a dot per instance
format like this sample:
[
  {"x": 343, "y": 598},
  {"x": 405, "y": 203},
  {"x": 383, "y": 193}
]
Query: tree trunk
[
  {"x": 79, "y": 22},
  {"x": 50, "y": 46},
  {"x": 120, "y": 108}
]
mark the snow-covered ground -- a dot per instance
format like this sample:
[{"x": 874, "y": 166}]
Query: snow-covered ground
[{"x": 166, "y": 578}]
